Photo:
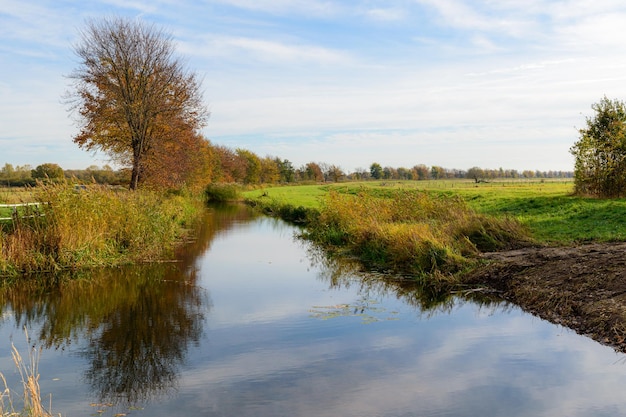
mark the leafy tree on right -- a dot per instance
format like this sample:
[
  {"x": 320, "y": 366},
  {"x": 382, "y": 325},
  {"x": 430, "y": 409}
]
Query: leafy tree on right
[{"x": 600, "y": 152}]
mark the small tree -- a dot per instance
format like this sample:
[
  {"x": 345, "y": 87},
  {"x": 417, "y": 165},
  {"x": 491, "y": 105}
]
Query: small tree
[
  {"x": 47, "y": 172},
  {"x": 253, "y": 166},
  {"x": 600, "y": 152},
  {"x": 131, "y": 92},
  {"x": 376, "y": 171},
  {"x": 313, "y": 172},
  {"x": 476, "y": 173}
]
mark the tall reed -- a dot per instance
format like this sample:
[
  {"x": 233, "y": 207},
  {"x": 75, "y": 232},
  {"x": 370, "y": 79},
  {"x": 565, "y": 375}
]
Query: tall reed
[
  {"x": 93, "y": 227},
  {"x": 412, "y": 231}
]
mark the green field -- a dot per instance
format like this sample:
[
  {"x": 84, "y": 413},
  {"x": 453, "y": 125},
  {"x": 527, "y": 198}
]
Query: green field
[{"x": 547, "y": 208}]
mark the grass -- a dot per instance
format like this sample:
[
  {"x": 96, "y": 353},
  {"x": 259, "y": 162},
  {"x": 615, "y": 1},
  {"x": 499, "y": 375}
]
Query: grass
[
  {"x": 95, "y": 227},
  {"x": 221, "y": 193},
  {"x": 31, "y": 404},
  {"x": 548, "y": 209},
  {"x": 15, "y": 195},
  {"x": 421, "y": 227},
  {"x": 395, "y": 227}
]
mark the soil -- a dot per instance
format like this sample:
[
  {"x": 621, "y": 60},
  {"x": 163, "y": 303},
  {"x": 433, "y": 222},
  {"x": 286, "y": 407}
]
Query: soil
[{"x": 582, "y": 287}]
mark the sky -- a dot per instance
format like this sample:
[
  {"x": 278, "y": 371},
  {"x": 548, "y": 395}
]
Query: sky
[{"x": 452, "y": 83}]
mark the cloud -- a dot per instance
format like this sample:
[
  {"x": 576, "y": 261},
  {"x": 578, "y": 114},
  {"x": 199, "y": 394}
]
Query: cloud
[
  {"x": 482, "y": 16},
  {"x": 385, "y": 14},
  {"x": 302, "y": 7},
  {"x": 271, "y": 51}
]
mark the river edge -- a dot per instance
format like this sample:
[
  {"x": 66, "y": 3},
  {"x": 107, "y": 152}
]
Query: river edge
[{"x": 579, "y": 287}]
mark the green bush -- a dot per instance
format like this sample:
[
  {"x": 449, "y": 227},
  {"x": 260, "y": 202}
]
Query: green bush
[{"x": 220, "y": 193}]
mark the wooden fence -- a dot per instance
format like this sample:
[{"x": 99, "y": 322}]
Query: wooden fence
[{"x": 15, "y": 212}]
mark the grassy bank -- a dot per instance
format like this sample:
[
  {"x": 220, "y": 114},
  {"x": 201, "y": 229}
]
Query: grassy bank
[
  {"x": 547, "y": 208},
  {"x": 441, "y": 226},
  {"x": 94, "y": 227},
  {"x": 401, "y": 229}
]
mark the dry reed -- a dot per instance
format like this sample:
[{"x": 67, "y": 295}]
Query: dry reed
[
  {"x": 31, "y": 398},
  {"x": 94, "y": 227},
  {"x": 411, "y": 231}
]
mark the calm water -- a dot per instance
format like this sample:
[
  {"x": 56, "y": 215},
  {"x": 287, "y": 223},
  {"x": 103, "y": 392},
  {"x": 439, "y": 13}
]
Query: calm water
[{"x": 253, "y": 322}]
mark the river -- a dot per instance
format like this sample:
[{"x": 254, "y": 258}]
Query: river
[{"x": 252, "y": 321}]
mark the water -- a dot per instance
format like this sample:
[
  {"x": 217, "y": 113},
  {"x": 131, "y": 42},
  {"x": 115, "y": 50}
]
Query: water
[{"x": 253, "y": 322}]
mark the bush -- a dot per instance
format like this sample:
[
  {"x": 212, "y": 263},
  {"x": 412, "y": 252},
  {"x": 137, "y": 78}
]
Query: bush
[
  {"x": 600, "y": 153},
  {"x": 220, "y": 193}
]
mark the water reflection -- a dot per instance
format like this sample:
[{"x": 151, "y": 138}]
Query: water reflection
[
  {"x": 133, "y": 327},
  {"x": 134, "y": 324},
  {"x": 264, "y": 325},
  {"x": 345, "y": 273}
]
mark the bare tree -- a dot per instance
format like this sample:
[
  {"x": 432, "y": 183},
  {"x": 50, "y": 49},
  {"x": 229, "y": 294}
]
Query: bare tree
[{"x": 131, "y": 92}]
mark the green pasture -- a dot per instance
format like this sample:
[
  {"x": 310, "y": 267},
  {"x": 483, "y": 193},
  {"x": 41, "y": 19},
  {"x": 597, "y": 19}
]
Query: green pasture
[
  {"x": 546, "y": 207},
  {"x": 15, "y": 195}
]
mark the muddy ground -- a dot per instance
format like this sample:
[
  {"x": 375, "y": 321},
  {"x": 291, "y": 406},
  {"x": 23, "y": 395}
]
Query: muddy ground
[{"x": 583, "y": 287}]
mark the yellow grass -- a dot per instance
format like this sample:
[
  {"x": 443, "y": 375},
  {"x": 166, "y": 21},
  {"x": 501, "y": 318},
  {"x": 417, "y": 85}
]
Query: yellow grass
[{"x": 31, "y": 404}]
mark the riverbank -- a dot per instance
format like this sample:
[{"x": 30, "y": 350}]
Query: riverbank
[
  {"x": 581, "y": 287},
  {"x": 95, "y": 226}
]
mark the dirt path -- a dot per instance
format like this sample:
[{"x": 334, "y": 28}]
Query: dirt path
[{"x": 583, "y": 287}]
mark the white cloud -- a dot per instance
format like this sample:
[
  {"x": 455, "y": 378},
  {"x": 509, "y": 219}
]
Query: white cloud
[
  {"x": 304, "y": 7},
  {"x": 386, "y": 14},
  {"x": 269, "y": 51}
]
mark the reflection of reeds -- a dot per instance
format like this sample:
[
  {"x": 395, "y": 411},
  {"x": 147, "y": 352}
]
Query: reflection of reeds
[{"x": 29, "y": 373}]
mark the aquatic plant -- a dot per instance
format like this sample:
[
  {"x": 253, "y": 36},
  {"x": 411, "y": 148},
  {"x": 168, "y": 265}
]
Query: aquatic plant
[
  {"x": 220, "y": 193},
  {"x": 95, "y": 226}
]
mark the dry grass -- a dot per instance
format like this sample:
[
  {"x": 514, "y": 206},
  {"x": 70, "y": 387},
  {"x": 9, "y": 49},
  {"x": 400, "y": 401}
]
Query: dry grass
[
  {"x": 95, "y": 227},
  {"x": 31, "y": 404},
  {"x": 411, "y": 231}
]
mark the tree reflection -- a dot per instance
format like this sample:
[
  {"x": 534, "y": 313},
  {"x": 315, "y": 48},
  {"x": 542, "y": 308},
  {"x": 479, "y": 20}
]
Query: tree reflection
[
  {"x": 137, "y": 348},
  {"x": 133, "y": 324}
]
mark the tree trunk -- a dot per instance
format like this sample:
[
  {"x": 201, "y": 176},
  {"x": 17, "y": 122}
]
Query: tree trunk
[{"x": 136, "y": 172}]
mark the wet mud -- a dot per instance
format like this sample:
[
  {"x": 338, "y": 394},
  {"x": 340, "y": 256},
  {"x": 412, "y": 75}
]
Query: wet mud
[{"x": 581, "y": 287}]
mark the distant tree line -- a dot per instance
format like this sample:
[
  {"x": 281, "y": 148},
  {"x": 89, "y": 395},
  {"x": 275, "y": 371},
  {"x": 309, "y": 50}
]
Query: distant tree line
[
  {"x": 423, "y": 172},
  {"x": 26, "y": 175},
  {"x": 220, "y": 164}
]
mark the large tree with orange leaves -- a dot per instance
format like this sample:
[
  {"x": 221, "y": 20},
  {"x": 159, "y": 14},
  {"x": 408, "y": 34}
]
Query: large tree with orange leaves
[{"x": 132, "y": 95}]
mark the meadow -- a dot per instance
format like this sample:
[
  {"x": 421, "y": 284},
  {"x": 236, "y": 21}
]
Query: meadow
[{"x": 547, "y": 208}]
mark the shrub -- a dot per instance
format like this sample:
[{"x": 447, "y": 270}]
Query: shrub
[{"x": 222, "y": 192}]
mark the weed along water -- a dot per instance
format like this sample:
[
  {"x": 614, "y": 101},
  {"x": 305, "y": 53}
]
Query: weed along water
[{"x": 255, "y": 322}]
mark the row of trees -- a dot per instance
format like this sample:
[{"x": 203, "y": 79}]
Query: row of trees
[
  {"x": 25, "y": 175},
  {"x": 222, "y": 164},
  {"x": 423, "y": 172}
]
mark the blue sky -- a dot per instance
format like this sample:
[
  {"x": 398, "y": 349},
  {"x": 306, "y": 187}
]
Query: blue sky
[{"x": 455, "y": 83}]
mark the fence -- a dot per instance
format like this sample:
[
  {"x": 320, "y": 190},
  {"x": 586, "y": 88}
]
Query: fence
[{"x": 15, "y": 212}]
